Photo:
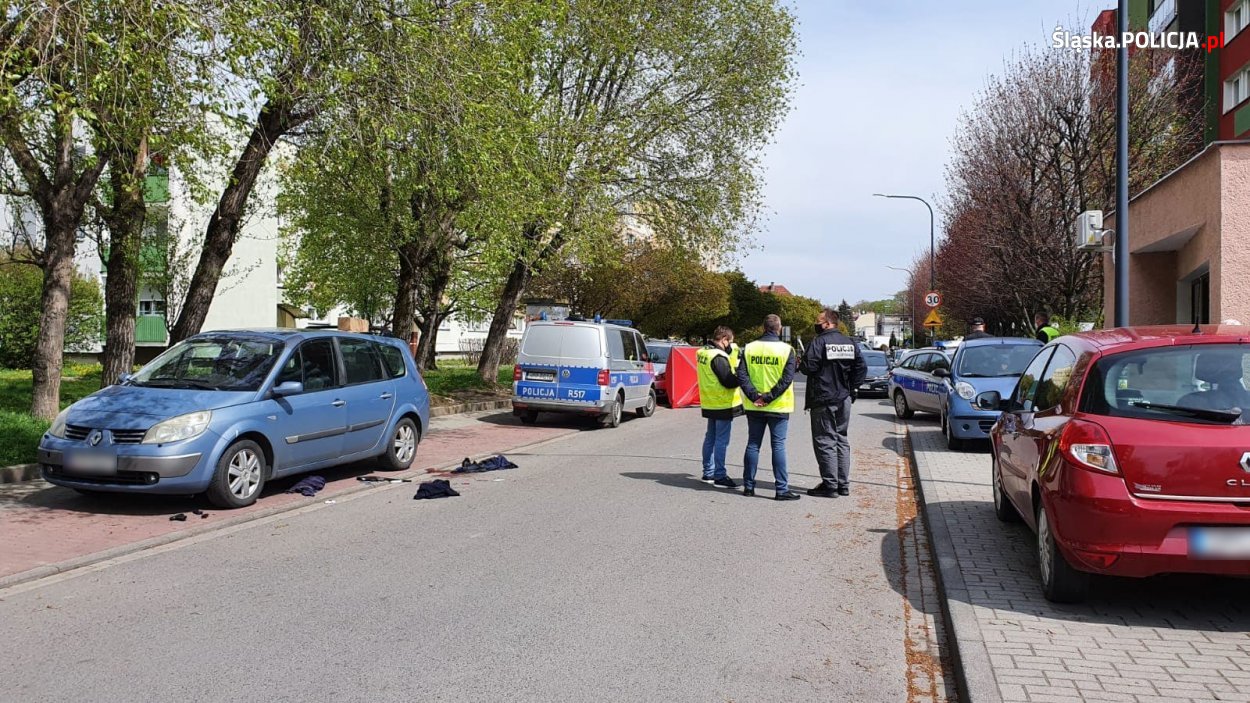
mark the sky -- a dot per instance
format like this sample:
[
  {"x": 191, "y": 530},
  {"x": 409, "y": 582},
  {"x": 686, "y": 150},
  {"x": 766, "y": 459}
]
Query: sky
[{"x": 880, "y": 89}]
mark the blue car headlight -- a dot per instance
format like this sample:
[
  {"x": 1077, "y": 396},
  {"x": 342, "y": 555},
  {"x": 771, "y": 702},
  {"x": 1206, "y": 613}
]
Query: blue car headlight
[
  {"x": 179, "y": 428},
  {"x": 58, "y": 425},
  {"x": 965, "y": 390}
]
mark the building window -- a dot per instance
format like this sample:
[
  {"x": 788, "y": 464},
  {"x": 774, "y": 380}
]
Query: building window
[
  {"x": 1237, "y": 88},
  {"x": 1200, "y": 300},
  {"x": 1236, "y": 19},
  {"x": 152, "y": 308}
]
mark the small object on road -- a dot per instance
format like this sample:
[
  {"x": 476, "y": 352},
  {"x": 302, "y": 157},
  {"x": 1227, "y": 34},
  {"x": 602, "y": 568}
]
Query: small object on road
[
  {"x": 331, "y": 501},
  {"x": 308, "y": 486},
  {"x": 197, "y": 511},
  {"x": 438, "y": 488},
  {"x": 203, "y": 515},
  {"x": 180, "y": 517},
  {"x": 382, "y": 479},
  {"x": 494, "y": 463}
]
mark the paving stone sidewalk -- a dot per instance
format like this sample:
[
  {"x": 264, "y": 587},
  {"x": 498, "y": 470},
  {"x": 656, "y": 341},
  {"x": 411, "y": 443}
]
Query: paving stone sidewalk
[
  {"x": 1172, "y": 638},
  {"x": 45, "y": 525}
]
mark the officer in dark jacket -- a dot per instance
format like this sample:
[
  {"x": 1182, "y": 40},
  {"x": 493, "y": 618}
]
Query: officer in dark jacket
[{"x": 834, "y": 368}]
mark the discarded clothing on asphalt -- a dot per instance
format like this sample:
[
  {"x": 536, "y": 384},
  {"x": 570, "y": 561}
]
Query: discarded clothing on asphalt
[
  {"x": 438, "y": 488},
  {"x": 494, "y": 463},
  {"x": 180, "y": 517},
  {"x": 308, "y": 486},
  {"x": 382, "y": 479}
]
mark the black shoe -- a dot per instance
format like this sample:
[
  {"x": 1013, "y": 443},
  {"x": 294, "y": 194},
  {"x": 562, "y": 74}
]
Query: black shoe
[
  {"x": 725, "y": 482},
  {"x": 708, "y": 479},
  {"x": 844, "y": 491},
  {"x": 748, "y": 492},
  {"x": 788, "y": 495},
  {"x": 823, "y": 491}
]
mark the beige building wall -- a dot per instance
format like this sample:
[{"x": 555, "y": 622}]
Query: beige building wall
[{"x": 1193, "y": 222}]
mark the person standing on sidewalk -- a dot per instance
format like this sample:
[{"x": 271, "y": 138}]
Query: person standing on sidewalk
[
  {"x": 834, "y": 368},
  {"x": 720, "y": 400},
  {"x": 1046, "y": 332},
  {"x": 766, "y": 375}
]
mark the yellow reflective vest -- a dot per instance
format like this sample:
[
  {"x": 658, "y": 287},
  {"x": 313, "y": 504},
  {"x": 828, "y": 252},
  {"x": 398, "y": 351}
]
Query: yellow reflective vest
[
  {"x": 713, "y": 395},
  {"x": 766, "y": 363}
]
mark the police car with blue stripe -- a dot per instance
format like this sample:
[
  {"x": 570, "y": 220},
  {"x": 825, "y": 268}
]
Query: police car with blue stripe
[{"x": 586, "y": 368}]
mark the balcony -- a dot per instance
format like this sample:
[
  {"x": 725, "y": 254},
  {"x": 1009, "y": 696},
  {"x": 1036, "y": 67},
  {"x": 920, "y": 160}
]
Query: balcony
[
  {"x": 151, "y": 330},
  {"x": 1163, "y": 16}
]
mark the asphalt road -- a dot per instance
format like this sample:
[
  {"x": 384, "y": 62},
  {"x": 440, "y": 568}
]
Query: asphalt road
[{"x": 601, "y": 569}]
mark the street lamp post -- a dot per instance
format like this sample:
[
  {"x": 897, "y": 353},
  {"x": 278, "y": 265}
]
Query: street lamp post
[
  {"x": 932, "y": 247},
  {"x": 911, "y": 301}
]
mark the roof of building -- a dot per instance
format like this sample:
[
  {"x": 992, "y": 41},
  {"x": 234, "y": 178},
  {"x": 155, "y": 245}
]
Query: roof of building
[{"x": 775, "y": 289}]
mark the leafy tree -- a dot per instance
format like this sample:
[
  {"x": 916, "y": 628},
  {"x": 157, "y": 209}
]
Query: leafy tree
[
  {"x": 20, "y": 299},
  {"x": 846, "y": 316},
  {"x": 799, "y": 314},
  {"x": 651, "y": 108}
]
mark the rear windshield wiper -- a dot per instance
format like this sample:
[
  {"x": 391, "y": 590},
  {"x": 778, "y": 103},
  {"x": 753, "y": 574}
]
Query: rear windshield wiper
[{"x": 1229, "y": 416}]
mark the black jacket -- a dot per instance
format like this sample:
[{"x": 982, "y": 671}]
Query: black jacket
[
  {"x": 750, "y": 393},
  {"x": 729, "y": 379},
  {"x": 977, "y": 335},
  {"x": 834, "y": 367}
]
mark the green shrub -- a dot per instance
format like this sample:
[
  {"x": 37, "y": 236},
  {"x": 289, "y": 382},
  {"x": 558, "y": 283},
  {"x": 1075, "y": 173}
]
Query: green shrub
[{"x": 21, "y": 287}]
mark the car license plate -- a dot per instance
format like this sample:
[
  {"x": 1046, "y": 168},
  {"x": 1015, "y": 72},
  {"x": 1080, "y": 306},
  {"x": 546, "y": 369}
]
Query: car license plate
[
  {"x": 547, "y": 376},
  {"x": 91, "y": 462},
  {"x": 1219, "y": 542}
]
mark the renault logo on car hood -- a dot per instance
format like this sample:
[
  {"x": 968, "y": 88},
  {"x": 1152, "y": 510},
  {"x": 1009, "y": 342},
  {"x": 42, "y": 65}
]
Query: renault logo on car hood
[
  {"x": 96, "y": 436},
  {"x": 1245, "y": 462}
]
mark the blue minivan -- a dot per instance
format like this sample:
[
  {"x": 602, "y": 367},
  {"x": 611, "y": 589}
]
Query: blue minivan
[
  {"x": 221, "y": 413},
  {"x": 586, "y": 368}
]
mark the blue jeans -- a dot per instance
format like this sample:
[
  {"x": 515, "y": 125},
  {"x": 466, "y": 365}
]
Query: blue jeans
[
  {"x": 777, "y": 426},
  {"x": 715, "y": 444}
]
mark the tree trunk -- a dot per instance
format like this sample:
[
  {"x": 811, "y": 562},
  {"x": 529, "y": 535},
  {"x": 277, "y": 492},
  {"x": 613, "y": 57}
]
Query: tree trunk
[
  {"x": 432, "y": 313},
  {"x": 121, "y": 288},
  {"x": 274, "y": 121},
  {"x": 405, "y": 310},
  {"x": 514, "y": 288},
  {"x": 60, "y": 227}
]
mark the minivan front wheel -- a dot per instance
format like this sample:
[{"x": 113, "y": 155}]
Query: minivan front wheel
[
  {"x": 612, "y": 418},
  {"x": 239, "y": 477},
  {"x": 1060, "y": 582}
]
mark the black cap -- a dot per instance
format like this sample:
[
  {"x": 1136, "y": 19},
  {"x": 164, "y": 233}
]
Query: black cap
[{"x": 978, "y": 321}]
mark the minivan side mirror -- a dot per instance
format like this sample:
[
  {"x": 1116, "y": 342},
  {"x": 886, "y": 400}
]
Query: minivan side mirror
[
  {"x": 288, "y": 388},
  {"x": 941, "y": 373},
  {"x": 124, "y": 378},
  {"x": 990, "y": 400}
]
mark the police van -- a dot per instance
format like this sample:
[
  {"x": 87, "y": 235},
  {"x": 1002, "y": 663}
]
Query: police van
[{"x": 586, "y": 368}]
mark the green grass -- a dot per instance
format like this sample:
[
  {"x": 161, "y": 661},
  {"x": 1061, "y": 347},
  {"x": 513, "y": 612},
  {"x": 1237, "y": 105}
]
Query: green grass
[
  {"x": 19, "y": 431},
  {"x": 451, "y": 376}
]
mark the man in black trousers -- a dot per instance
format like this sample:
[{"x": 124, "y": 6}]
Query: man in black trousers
[{"x": 834, "y": 368}]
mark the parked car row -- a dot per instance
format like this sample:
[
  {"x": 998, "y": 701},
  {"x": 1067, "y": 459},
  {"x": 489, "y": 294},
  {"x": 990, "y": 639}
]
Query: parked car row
[{"x": 1125, "y": 451}]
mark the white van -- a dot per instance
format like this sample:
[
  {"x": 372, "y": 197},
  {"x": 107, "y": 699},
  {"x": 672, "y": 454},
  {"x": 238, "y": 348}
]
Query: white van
[{"x": 586, "y": 368}]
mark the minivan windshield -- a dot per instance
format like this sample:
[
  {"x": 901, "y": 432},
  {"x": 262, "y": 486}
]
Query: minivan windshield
[
  {"x": 215, "y": 364},
  {"x": 1202, "y": 383},
  {"x": 995, "y": 360}
]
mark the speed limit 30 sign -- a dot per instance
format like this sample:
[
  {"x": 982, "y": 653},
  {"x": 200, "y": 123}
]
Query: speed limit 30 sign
[{"x": 933, "y": 299}]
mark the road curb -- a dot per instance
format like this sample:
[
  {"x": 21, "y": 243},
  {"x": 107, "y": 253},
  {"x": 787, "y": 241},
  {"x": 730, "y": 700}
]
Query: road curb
[
  {"x": 68, "y": 565},
  {"x": 970, "y": 657},
  {"x": 19, "y": 473},
  {"x": 29, "y": 472},
  {"x": 479, "y": 406}
]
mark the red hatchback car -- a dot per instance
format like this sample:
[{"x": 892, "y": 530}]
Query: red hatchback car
[{"x": 1128, "y": 453}]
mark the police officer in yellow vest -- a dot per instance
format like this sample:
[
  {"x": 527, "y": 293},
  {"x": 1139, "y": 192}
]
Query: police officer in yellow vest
[
  {"x": 1046, "y": 332},
  {"x": 721, "y": 402},
  {"x": 766, "y": 375}
]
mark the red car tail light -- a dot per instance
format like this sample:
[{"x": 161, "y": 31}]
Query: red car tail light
[
  {"x": 516, "y": 372},
  {"x": 1089, "y": 446},
  {"x": 605, "y": 377}
]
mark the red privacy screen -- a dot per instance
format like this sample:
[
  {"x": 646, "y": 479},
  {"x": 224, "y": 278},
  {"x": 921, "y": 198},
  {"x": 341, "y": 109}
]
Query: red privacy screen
[{"x": 683, "y": 377}]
